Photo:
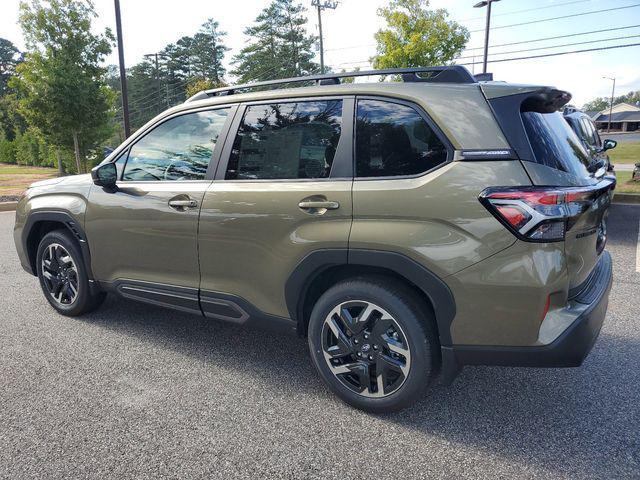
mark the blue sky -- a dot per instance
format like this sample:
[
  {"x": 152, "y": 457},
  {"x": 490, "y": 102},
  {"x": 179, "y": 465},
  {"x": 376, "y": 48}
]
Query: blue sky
[{"x": 149, "y": 25}]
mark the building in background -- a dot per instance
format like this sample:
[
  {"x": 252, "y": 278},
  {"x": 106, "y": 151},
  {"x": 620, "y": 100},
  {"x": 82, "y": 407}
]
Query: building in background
[{"x": 624, "y": 118}]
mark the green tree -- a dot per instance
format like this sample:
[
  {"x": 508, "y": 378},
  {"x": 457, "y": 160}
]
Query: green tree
[
  {"x": 600, "y": 103},
  {"x": 200, "y": 84},
  {"x": 208, "y": 50},
  {"x": 191, "y": 60},
  {"x": 61, "y": 83},
  {"x": 9, "y": 57},
  {"x": 597, "y": 104},
  {"x": 11, "y": 122},
  {"x": 279, "y": 46},
  {"x": 417, "y": 36}
]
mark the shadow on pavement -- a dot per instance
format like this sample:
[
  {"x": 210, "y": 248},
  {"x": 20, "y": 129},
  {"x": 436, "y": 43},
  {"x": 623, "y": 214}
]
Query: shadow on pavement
[{"x": 564, "y": 420}]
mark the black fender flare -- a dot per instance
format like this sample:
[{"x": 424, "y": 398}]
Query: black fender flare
[
  {"x": 318, "y": 261},
  {"x": 70, "y": 223}
]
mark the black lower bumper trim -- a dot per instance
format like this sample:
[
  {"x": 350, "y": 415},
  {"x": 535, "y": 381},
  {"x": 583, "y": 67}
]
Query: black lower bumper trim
[{"x": 568, "y": 350}]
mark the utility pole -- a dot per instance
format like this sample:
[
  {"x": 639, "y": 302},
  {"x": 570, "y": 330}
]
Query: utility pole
[
  {"x": 157, "y": 75},
  {"x": 321, "y": 5},
  {"x": 123, "y": 73},
  {"x": 613, "y": 89},
  {"x": 486, "y": 3}
]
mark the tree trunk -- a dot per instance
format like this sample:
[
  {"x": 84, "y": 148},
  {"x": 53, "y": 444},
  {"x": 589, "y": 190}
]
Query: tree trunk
[
  {"x": 60, "y": 164},
  {"x": 76, "y": 149}
]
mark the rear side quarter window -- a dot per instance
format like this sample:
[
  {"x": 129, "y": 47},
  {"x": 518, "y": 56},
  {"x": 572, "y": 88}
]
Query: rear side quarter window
[{"x": 393, "y": 139}]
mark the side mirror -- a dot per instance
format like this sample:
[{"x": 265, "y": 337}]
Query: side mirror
[
  {"x": 105, "y": 175},
  {"x": 608, "y": 144}
]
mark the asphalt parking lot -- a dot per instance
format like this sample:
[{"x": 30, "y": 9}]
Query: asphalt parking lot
[{"x": 136, "y": 391}]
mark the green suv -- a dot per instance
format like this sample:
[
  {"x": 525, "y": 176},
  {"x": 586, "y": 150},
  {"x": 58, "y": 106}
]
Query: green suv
[{"x": 406, "y": 228}]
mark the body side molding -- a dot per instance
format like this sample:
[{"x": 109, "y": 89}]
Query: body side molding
[
  {"x": 235, "y": 309},
  {"x": 184, "y": 299}
]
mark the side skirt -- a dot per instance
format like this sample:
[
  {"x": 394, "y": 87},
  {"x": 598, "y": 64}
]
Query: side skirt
[{"x": 216, "y": 305}]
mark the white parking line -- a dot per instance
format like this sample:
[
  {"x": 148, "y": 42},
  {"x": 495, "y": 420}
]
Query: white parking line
[{"x": 638, "y": 250}]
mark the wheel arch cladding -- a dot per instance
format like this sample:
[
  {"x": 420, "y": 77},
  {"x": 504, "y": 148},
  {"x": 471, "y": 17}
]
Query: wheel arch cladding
[
  {"x": 344, "y": 262},
  {"x": 38, "y": 224}
]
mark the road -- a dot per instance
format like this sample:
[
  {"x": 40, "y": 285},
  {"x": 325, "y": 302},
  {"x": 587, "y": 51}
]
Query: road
[
  {"x": 621, "y": 137},
  {"x": 134, "y": 391}
]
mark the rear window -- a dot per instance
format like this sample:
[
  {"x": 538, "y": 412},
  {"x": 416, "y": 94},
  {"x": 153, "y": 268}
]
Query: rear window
[{"x": 555, "y": 144}]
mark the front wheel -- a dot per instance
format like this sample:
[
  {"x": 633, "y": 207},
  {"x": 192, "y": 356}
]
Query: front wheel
[
  {"x": 373, "y": 342},
  {"x": 63, "y": 275}
]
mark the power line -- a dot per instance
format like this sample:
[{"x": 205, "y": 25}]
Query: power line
[
  {"x": 555, "y": 46},
  {"x": 555, "y": 54},
  {"x": 349, "y": 47},
  {"x": 180, "y": 84},
  {"x": 559, "y": 18},
  {"x": 512, "y": 43},
  {"x": 546, "y": 7},
  {"x": 527, "y": 57},
  {"x": 554, "y": 38}
]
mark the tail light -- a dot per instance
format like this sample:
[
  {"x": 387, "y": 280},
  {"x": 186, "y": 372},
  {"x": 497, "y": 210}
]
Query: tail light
[{"x": 542, "y": 214}]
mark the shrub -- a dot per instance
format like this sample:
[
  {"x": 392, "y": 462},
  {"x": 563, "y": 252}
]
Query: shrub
[{"x": 7, "y": 151}]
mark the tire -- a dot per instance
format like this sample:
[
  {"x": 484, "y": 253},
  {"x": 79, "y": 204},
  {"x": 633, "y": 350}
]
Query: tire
[
  {"x": 63, "y": 275},
  {"x": 405, "y": 350}
]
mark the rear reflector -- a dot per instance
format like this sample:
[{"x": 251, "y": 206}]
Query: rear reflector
[{"x": 542, "y": 214}]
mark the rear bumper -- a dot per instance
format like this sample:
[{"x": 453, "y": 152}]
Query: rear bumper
[{"x": 569, "y": 349}]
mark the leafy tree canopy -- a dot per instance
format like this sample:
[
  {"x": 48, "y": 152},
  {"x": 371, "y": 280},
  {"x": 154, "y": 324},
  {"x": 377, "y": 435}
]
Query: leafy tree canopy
[
  {"x": 61, "y": 81},
  {"x": 600, "y": 103},
  {"x": 417, "y": 36}
]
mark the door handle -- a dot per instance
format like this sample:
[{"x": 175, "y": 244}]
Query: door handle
[
  {"x": 182, "y": 204},
  {"x": 318, "y": 204}
]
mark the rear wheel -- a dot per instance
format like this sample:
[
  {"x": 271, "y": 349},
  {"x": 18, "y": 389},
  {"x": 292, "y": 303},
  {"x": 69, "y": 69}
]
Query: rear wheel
[
  {"x": 63, "y": 275},
  {"x": 373, "y": 342}
]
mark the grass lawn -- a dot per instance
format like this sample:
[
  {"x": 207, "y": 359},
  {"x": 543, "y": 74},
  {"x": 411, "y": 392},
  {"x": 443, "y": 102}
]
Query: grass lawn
[
  {"x": 625, "y": 185},
  {"x": 628, "y": 152},
  {"x": 14, "y": 179}
]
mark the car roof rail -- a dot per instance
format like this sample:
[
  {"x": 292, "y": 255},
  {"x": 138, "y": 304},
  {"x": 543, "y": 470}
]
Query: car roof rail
[{"x": 441, "y": 74}]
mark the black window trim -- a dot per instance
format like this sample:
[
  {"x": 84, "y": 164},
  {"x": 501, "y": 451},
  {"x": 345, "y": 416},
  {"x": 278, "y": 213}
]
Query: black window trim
[
  {"x": 215, "y": 155},
  {"x": 342, "y": 167},
  {"x": 425, "y": 116}
]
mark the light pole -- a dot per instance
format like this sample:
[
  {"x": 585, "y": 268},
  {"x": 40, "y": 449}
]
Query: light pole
[
  {"x": 486, "y": 3},
  {"x": 123, "y": 73},
  {"x": 613, "y": 89},
  {"x": 321, "y": 5}
]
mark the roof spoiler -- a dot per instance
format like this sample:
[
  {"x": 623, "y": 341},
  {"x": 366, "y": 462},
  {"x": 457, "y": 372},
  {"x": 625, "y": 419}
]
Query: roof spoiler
[{"x": 546, "y": 100}]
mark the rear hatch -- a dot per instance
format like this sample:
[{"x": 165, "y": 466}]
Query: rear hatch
[{"x": 570, "y": 197}]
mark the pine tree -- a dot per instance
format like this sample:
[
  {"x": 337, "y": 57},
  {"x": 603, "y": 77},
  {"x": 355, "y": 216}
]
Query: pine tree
[
  {"x": 208, "y": 51},
  {"x": 279, "y": 46}
]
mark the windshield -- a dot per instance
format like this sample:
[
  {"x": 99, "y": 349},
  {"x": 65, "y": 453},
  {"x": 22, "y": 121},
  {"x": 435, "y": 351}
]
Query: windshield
[{"x": 555, "y": 144}]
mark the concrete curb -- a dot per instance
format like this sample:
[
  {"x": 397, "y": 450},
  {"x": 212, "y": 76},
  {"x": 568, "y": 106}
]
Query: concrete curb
[
  {"x": 626, "y": 198},
  {"x": 8, "y": 206}
]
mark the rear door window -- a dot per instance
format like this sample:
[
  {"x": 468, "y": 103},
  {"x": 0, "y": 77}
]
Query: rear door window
[
  {"x": 393, "y": 139},
  {"x": 286, "y": 141},
  {"x": 555, "y": 144}
]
